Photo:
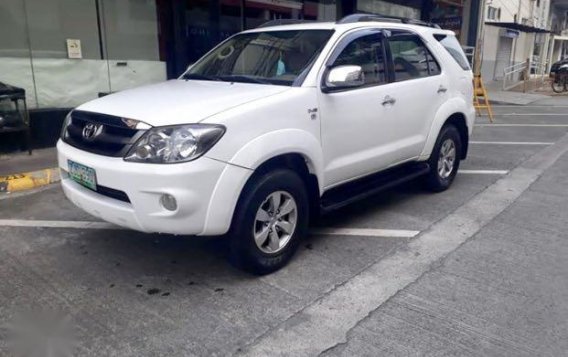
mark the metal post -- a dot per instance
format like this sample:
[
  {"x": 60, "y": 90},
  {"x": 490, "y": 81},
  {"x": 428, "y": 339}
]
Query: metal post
[{"x": 526, "y": 74}]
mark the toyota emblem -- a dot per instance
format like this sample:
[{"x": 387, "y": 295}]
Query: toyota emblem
[{"x": 91, "y": 131}]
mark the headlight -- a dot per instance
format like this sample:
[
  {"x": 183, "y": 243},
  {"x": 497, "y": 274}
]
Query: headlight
[{"x": 173, "y": 144}]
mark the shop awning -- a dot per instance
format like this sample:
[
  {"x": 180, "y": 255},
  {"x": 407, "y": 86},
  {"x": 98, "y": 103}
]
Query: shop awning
[{"x": 518, "y": 27}]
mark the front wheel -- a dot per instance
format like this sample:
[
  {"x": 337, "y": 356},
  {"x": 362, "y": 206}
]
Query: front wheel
[
  {"x": 270, "y": 220},
  {"x": 445, "y": 159}
]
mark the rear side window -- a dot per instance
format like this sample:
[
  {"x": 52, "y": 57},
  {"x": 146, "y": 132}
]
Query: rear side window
[
  {"x": 411, "y": 58},
  {"x": 453, "y": 47}
]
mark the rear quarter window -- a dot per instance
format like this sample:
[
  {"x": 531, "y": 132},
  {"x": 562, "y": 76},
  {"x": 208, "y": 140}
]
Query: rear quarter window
[{"x": 453, "y": 47}]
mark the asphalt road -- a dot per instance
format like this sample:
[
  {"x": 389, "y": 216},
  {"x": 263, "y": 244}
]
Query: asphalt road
[{"x": 477, "y": 270}]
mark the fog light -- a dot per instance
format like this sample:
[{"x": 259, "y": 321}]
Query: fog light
[{"x": 168, "y": 202}]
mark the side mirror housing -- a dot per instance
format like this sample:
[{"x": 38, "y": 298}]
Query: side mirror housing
[{"x": 344, "y": 77}]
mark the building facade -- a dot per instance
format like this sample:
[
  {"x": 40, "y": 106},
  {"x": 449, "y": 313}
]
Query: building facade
[
  {"x": 558, "y": 40},
  {"x": 66, "y": 52},
  {"x": 513, "y": 31}
]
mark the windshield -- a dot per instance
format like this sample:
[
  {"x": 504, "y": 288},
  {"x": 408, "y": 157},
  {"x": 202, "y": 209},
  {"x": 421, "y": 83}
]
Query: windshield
[{"x": 272, "y": 57}]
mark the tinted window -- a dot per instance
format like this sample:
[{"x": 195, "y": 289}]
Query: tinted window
[
  {"x": 410, "y": 57},
  {"x": 367, "y": 52},
  {"x": 453, "y": 47}
]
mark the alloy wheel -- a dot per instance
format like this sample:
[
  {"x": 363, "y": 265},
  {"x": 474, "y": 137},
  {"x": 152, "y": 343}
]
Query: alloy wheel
[
  {"x": 275, "y": 222},
  {"x": 447, "y": 158}
]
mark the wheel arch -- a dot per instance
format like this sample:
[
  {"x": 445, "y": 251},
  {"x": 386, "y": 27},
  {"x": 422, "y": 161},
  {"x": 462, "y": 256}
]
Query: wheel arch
[
  {"x": 459, "y": 121},
  {"x": 298, "y": 163},
  {"x": 294, "y": 149},
  {"x": 452, "y": 112}
]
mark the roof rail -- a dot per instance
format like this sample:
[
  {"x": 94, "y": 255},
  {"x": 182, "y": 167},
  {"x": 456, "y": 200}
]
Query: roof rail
[
  {"x": 279, "y": 22},
  {"x": 349, "y": 19}
]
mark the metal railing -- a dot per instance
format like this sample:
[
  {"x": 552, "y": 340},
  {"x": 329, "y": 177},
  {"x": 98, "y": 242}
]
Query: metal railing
[
  {"x": 525, "y": 72},
  {"x": 513, "y": 75}
]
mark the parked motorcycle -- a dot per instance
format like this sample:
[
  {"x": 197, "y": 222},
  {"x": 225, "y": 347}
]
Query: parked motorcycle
[{"x": 560, "y": 81}]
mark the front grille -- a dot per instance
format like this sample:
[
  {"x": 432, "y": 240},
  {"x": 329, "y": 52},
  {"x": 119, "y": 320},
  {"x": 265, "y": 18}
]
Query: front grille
[{"x": 112, "y": 137}]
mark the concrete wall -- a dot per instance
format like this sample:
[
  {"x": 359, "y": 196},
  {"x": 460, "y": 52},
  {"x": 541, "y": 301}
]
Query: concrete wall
[
  {"x": 130, "y": 29},
  {"x": 534, "y": 15},
  {"x": 524, "y": 47},
  {"x": 490, "y": 43}
]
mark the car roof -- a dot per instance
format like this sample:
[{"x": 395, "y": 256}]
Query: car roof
[{"x": 349, "y": 26}]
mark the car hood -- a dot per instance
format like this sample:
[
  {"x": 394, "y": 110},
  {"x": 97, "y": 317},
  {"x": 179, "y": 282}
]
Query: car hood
[{"x": 179, "y": 101}]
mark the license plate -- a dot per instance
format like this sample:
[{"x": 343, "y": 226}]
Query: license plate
[{"x": 82, "y": 174}]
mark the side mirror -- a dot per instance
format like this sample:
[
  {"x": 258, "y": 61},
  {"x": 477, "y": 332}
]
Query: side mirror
[{"x": 343, "y": 77}]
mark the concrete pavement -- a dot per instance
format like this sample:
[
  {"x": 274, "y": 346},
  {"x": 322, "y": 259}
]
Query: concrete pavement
[{"x": 502, "y": 293}]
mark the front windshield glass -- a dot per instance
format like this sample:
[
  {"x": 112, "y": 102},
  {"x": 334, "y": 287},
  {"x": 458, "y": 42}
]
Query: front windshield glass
[{"x": 271, "y": 57}]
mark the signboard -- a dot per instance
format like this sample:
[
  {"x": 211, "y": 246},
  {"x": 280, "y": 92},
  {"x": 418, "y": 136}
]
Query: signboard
[
  {"x": 509, "y": 33},
  {"x": 74, "y": 48},
  {"x": 453, "y": 23}
]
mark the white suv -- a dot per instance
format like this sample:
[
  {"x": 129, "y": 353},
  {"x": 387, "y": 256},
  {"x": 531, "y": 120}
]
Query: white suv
[{"x": 273, "y": 126}]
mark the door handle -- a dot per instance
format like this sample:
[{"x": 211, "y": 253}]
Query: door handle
[
  {"x": 389, "y": 100},
  {"x": 442, "y": 89}
]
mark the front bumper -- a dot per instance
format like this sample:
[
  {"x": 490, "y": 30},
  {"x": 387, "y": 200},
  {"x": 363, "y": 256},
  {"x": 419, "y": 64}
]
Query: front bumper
[{"x": 192, "y": 184}]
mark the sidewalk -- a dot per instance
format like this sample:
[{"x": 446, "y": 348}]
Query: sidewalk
[
  {"x": 503, "y": 292},
  {"x": 498, "y": 96},
  {"x": 22, "y": 162}
]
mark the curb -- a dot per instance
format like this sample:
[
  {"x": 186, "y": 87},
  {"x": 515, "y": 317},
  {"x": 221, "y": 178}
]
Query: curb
[{"x": 28, "y": 180}]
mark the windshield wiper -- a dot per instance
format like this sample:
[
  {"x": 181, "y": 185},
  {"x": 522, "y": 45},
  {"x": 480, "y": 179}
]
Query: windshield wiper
[
  {"x": 199, "y": 77},
  {"x": 243, "y": 78}
]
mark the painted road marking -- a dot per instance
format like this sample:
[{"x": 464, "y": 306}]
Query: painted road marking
[
  {"x": 525, "y": 125},
  {"x": 530, "y": 106},
  {"x": 510, "y": 143},
  {"x": 532, "y": 114},
  {"x": 484, "y": 172},
  {"x": 57, "y": 224},
  {"x": 367, "y": 232}
]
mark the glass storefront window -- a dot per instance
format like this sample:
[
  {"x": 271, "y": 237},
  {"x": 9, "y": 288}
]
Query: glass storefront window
[
  {"x": 448, "y": 15},
  {"x": 385, "y": 8},
  {"x": 212, "y": 21},
  {"x": 61, "y": 81},
  {"x": 131, "y": 43},
  {"x": 67, "y": 52},
  {"x": 15, "y": 51}
]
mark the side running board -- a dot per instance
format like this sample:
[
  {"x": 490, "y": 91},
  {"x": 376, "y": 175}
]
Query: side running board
[{"x": 367, "y": 186}]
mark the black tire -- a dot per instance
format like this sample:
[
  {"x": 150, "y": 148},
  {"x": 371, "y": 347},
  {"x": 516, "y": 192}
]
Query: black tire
[
  {"x": 244, "y": 251},
  {"x": 558, "y": 85},
  {"x": 436, "y": 181}
]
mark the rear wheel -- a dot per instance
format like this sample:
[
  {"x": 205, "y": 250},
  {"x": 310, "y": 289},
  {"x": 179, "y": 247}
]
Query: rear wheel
[
  {"x": 270, "y": 220},
  {"x": 445, "y": 159},
  {"x": 558, "y": 83}
]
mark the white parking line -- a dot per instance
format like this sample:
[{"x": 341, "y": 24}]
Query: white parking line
[
  {"x": 483, "y": 172},
  {"x": 529, "y": 106},
  {"x": 510, "y": 143},
  {"x": 524, "y": 125},
  {"x": 367, "y": 232},
  {"x": 531, "y": 114},
  {"x": 56, "y": 224}
]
